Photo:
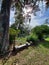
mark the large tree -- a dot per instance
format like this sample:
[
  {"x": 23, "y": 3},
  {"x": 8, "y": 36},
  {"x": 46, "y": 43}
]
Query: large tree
[{"x": 4, "y": 25}]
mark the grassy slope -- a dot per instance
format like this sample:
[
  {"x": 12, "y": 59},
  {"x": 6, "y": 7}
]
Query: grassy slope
[{"x": 38, "y": 55}]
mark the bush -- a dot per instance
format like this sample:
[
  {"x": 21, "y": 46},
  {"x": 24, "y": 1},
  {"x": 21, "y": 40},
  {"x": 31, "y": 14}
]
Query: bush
[
  {"x": 33, "y": 38},
  {"x": 12, "y": 35},
  {"x": 40, "y": 31}
]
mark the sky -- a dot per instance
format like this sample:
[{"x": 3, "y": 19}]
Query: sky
[
  {"x": 0, "y": 4},
  {"x": 12, "y": 20},
  {"x": 40, "y": 17}
]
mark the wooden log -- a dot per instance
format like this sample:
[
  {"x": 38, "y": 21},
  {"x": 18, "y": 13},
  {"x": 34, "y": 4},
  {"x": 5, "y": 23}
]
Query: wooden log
[{"x": 23, "y": 46}]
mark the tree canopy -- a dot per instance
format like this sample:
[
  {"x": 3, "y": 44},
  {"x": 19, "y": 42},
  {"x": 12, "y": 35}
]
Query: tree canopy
[{"x": 41, "y": 31}]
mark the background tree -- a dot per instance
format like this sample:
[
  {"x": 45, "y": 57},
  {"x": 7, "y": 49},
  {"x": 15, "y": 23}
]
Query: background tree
[{"x": 40, "y": 31}]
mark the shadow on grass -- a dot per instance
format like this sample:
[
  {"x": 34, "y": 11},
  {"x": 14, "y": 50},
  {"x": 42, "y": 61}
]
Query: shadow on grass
[
  {"x": 11, "y": 53},
  {"x": 45, "y": 43}
]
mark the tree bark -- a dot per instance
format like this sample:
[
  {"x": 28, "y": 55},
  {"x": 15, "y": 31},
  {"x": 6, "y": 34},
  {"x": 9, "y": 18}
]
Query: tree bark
[{"x": 4, "y": 25}]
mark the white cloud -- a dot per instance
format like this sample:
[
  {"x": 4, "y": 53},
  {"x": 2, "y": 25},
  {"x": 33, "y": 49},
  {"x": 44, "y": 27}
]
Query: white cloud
[{"x": 34, "y": 22}]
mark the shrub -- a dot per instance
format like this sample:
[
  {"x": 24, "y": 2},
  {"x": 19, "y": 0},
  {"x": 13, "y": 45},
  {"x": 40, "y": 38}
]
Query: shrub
[
  {"x": 40, "y": 31},
  {"x": 33, "y": 38},
  {"x": 12, "y": 35}
]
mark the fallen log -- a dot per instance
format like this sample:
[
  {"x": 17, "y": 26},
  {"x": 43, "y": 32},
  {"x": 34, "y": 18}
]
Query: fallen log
[
  {"x": 21, "y": 47},
  {"x": 17, "y": 49}
]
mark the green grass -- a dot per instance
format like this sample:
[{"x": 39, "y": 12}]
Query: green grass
[
  {"x": 33, "y": 55},
  {"x": 47, "y": 39},
  {"x": 21, "y": 40}
]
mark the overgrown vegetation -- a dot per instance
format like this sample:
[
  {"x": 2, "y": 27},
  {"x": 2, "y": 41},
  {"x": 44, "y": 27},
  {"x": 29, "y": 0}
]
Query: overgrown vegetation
[
  {"x": 32, "y": 38},
  {"x": 39, "y": 33},
  {"x": 12, "y": 34}
]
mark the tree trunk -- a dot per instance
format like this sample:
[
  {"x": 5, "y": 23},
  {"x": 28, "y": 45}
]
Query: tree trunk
[{"x": 4, "y": 25}]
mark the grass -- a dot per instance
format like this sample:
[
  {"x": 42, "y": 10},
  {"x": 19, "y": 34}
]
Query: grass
[
  {"x": 34, "y": 55},
  {"x": 47, "y": 39},
  {"x": 20, "y": 40}
]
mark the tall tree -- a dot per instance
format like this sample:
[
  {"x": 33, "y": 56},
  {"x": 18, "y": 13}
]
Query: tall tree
[{"x": 4, "y": 23}]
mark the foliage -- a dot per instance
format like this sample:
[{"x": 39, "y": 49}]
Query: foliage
[
  {"x": 47, "y": 39},
  {"x": 12, "y": 31},
  {"x": 32, "y": 38},
  {"x": 40, "y": 31},
  {"x": 13, "y": 26},
  {"x": 21, "y": 40},
  {"x": 23, "y": 30},
  {"x": 12, "y": 34}
]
